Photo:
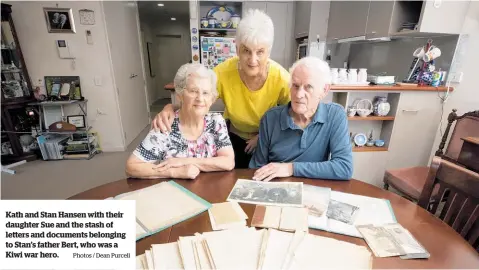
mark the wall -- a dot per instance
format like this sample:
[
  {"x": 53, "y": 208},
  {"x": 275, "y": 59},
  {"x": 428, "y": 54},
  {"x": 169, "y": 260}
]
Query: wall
[
  {"x": 41, "y": 57},
  {"x": 147, "y": 36},
  {"x": 465, "y": 96},
  {"x": 395, "y": 57}
]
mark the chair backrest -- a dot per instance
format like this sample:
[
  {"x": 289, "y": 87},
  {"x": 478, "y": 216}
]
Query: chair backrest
[
  {"x": 467, "y": 125},
  {"x": 458, "y": 198}
]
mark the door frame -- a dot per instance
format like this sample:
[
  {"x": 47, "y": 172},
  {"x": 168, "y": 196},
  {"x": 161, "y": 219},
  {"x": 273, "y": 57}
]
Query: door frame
[{"x": 142, "y": 58}]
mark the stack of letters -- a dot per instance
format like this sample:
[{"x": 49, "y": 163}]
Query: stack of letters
[{"x": 248, "y": 248}]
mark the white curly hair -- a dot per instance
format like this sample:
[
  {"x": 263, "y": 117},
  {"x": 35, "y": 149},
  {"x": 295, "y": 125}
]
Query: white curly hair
[
  {"x": 185, "y": 72},
  {"x": 255, "y": 28},
  {"x": 320, "y": 67}
]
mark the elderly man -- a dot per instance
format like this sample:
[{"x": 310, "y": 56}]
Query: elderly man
[{"x": 297, "y": 139}]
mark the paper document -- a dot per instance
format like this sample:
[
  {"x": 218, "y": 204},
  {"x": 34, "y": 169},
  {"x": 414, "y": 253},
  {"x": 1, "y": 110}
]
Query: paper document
[
  {"x": 281, "y": 218},
  {"x": 227, "y": 215},
  {"x": 328, "y": 253},
  {"x": 390, "y": 240},
  {"x": 371, "y": 211}
]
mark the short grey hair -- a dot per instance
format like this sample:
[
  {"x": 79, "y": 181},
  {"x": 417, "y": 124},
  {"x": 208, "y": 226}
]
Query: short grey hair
[
  {"x": 320, "y": 67},
  {"x": 255, "y": 28},
  {"x": 185, "y": 72}
]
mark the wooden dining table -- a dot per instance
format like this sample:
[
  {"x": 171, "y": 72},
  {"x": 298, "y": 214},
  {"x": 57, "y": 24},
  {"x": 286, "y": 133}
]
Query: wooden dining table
[{"x": 448, "y": 250}]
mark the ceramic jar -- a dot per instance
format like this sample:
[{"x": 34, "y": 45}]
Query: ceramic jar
[
  {"x": 353, "y": 75},
  {"x": 362, "y": 75},
  {"x": 204, "y": 22},
  {"x": 212, "y": 22},
  {"x": 381, "y": 106},
  {"x": 343, "y": 75},
  {"x": 334, "y": 76},
  {"x": 235, "y": 19}
]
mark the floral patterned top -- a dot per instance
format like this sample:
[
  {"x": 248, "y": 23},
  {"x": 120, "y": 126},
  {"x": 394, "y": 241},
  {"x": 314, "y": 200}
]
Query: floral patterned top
[{"x": 158, "y": 146}]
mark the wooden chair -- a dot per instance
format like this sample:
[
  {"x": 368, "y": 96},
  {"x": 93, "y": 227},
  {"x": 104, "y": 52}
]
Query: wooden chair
[
  {"x": 410, "y": 181},
  {"x": 460, "y": 209}
]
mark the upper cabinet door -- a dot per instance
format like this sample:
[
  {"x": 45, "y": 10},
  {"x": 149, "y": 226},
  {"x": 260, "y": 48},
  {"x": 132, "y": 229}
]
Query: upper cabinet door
[
  {"x": 302, "y": 18},
  {"x": 379, "y": 19},
  {"x": 281, "y": 14},
  {"x": 253, "y": 5},
  {"x": 347, "y": 19}
]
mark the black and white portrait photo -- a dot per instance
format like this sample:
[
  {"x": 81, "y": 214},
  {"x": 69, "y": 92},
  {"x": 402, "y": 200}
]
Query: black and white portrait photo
[{"x": 59, "y": 20}]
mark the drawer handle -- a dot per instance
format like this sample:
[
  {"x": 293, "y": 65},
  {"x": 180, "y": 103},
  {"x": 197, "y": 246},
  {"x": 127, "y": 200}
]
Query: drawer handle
[{"x": 410, "y": 111}]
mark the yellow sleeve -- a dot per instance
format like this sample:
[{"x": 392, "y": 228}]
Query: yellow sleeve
[
  {"x": 219, "y": 85},
  {"x": 284, "y": 94}
]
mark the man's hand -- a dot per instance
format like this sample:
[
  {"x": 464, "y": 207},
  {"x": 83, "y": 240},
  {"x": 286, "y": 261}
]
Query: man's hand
[
  {"x": 171, "y": 163},
  {"x": 273, "y": 170},
  {"x": 251, "y": 144},
  {"x": 164, "y": 119}
]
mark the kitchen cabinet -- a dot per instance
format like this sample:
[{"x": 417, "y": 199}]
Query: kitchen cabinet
[
  {"x": 318, "y": 25},
  {"x": 347, "y": 19},
  {"x": 302, "y": 18},
  {"x": 281, "y": 14},
  {"x": 380, "y": 13},
  {"x": 377, "y": 19},
  {"x": 369, "y": 167},
  {"x": 415, "y": 127}
]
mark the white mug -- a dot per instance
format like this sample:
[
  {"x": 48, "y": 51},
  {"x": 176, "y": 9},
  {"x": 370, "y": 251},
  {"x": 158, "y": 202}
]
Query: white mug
[
  {"x": 353, "y": 75},
  {"x": 432, "y": 54}
]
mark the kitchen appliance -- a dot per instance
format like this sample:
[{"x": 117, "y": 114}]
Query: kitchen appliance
[
  {"x": 215, "y": 50},
  {"x": 302, "y": 50}
]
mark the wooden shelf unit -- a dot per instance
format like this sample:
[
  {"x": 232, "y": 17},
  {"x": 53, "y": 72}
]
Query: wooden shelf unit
[
  {"x": 371, "y": 118},
  {"x": 369, "y": 149}
]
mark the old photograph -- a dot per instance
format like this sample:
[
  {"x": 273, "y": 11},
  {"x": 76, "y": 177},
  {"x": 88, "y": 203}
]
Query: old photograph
[
  {"x": 390, "y": 240},
  {"x": 316, "y": 199},
  {"x": 267, "y": 193},
  {"x": 342, "y": 212}
]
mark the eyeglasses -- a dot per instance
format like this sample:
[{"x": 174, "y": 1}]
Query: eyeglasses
[{"x": 196, "y": 93}]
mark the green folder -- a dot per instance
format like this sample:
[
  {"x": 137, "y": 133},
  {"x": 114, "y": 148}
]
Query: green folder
[{"x": 163, "y": 205}]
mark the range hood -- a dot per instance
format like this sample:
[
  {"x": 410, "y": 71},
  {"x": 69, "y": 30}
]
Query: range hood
[{"x": 363, "y": 39}]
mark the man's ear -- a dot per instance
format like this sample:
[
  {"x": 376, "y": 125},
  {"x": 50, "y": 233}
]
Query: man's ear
[{"x": 327, "y": 87}]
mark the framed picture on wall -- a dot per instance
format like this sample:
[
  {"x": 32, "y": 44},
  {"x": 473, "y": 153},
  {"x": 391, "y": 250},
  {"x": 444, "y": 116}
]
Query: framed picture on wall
[
  {"x": 59, "y": 20},
  {"x": 149, "y": 49}
]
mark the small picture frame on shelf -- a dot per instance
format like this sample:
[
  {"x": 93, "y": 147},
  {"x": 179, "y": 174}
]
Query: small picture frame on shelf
[
  {"x": 59, "y": 20},
  {"x": 63, "y": 87},
  {"x": 77, "y": 120}
]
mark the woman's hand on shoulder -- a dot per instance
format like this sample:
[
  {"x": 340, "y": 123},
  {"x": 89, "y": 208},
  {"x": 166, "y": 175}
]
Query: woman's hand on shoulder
[{"x": 164, "y": 119}]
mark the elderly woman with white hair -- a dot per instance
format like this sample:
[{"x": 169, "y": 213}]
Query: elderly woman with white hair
[
  {"x": 198, "y": 140},
  {"x": 306, "y": 138},
  {"x": 249, "y": 85}
]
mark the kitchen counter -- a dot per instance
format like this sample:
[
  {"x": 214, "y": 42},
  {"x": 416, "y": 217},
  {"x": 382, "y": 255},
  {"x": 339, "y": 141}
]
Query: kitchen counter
[
  {"x": 392, "y": 88},
  {"x": 381, "y": 88}
]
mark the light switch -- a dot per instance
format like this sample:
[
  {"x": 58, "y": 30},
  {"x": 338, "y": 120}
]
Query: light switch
[{"x": 98, "y": 81}]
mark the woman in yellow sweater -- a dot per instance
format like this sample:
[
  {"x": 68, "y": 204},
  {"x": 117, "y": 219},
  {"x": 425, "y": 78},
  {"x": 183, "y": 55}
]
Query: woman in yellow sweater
[{"x": 249, "y": 85}]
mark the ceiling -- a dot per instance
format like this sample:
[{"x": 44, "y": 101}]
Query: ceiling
[{"x": 150, "y": 11}]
